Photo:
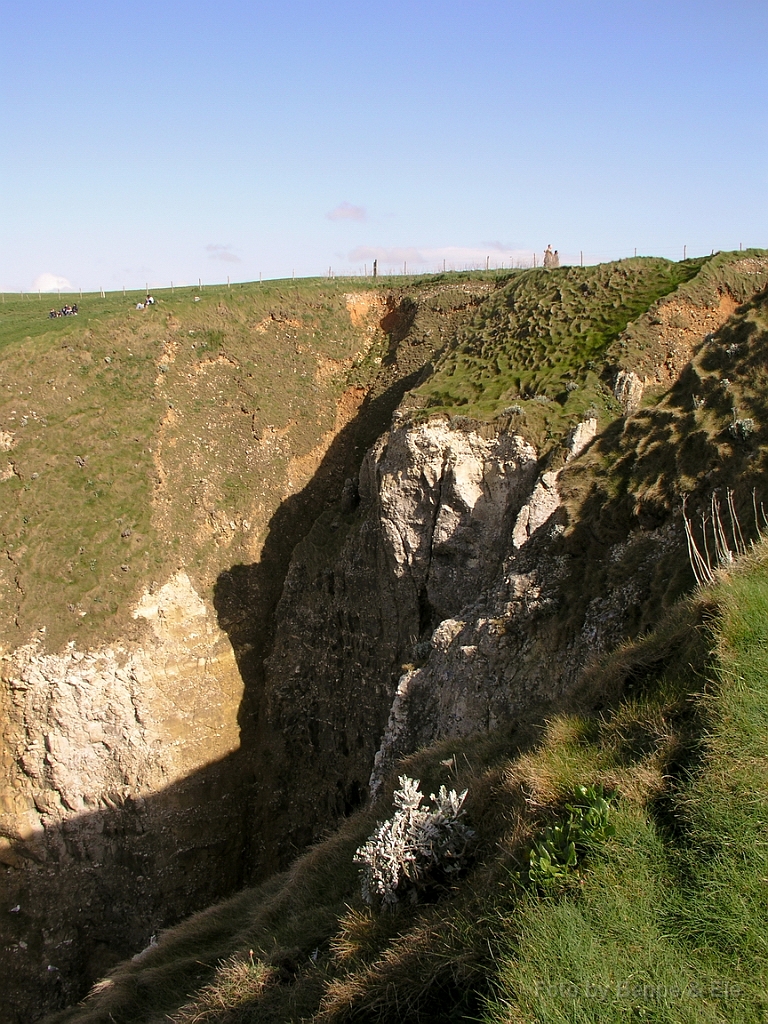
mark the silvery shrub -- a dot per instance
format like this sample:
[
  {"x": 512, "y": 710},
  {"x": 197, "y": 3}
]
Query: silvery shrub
[{"x": 419, "y": 847}]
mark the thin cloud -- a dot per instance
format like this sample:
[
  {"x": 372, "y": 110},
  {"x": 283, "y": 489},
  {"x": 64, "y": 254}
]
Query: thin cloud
[
  {"x": 346, "y": 211},
  {"x": 223, "y": 253},
  {"x": 455, "y": 257},
  {"x": 51, "y": 283}
]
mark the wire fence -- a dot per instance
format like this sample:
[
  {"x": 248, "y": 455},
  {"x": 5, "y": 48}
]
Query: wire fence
[
  {"x": 518, "y": 261},
  {"x": 385, "y": 269}
]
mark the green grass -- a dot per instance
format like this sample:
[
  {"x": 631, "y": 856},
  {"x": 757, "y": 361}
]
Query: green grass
[
  {"x": 671, "y": 923},
  {"x": 186, "y": 417},
  {"x": 543, "y": 339},
  {"x": 193, "y": 415}
]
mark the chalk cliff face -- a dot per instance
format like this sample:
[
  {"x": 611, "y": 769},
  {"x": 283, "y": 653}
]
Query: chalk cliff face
[
  {"x": 428, "y": 605},
  {"x": 420, "y": 535},
  {"x": 93, "y": 728},
  {"x": 98, "y": 860},
  {"x": 442, "y": 598},
  {"x": 455, "y": 584}
]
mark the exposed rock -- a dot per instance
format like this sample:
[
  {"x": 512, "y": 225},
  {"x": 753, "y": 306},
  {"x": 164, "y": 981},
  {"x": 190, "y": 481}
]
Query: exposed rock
[
  {"x": 545, "y": 498},
  {"x": 430, "y": 531},
  {"x": 89, "y": 740},
  {"x": 537, "y": 510},
  {"x": 628, "y": 390},
  {"x": 580, "y": 436},
  {"x": 508, "y": 651}
]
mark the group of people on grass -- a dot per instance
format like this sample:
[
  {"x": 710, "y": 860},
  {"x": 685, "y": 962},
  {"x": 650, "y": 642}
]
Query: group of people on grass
[
  {"x": 149, "y": 301},
  {"x": 64, "y": 311}
]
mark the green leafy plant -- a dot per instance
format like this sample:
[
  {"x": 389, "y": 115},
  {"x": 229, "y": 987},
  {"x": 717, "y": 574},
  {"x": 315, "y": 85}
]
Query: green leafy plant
[{"x": 555, "y": 856}]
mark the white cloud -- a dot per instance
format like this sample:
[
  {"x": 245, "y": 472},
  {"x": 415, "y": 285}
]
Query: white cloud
[
  {"x": 456, "y": 257},
  {"x": 223, "y": 253},
  {"x": 51, "y": 283},
  {"x": 346, "y": 211}
]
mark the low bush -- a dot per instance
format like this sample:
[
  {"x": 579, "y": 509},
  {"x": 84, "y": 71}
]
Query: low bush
[{"x": 417, "y": 848}]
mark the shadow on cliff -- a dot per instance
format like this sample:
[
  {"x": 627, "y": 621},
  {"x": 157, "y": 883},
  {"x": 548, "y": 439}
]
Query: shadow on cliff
[
  {"x": 245, "y": 596},
  {"x": 80, "y": 898},
  {"x": 636, "y": 473},
  {"x": 93, "y": 892}
]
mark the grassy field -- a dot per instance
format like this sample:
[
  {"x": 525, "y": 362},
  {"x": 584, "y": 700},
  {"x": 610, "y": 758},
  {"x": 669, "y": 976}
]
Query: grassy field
[{"x": 140, "y": 440}]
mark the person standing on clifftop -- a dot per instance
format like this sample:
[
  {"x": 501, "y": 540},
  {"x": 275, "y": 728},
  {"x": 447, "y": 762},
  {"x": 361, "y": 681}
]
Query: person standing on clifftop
[{"x": 551, "y": 259}]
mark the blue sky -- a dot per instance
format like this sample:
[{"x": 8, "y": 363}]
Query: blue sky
[{"x": 158, "y": 142}]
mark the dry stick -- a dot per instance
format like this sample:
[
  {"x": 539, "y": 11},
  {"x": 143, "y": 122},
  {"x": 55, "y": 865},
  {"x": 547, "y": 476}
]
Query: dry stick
[
  {"x": 738, "y": 537},
  {"x": 692, "y": 552},
  {"x": 722, "y": 551},
  {"x": 706, "y": 546},
  {"x": 727, "y": 553},
  {"x": 701, "y": 569},
  {"x": 754, "y": 512},
  {"x": 762, "y": 512}
]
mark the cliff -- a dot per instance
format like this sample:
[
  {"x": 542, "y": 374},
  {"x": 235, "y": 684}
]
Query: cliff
[{"x": 407, "y": 554}]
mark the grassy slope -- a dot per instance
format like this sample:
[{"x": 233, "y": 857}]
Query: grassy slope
[
  {"x": 668, "y": 923},
  {"x": 536, "y": 351},
  {"x": 149, "y": 439},
  {"x": 143, "y": 440}
]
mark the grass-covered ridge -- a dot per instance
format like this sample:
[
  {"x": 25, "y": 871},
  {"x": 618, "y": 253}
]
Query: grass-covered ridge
[
  {"x": 135, "y": 441},
  {"x": 544, "y": 337},
  {"x": 666, "y": 921},
  {"x": 543, "y": 350}
]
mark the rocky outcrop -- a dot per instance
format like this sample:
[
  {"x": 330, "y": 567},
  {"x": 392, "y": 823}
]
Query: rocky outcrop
[
  {"x": 442, "y": 597},
  {"x": 92, "y": 728},
  {"x": 422, "y": 533},
  {"x": 545, "y": 498},
  {"x": 439, "y": 599},
  {"x": 517, "y": 646},
  {"x": 109, "y": 753},
  {"x": 628, "y": 390}
]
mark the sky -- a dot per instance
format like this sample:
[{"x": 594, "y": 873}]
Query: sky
[{"x": 158, "y": 142}]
